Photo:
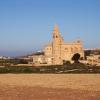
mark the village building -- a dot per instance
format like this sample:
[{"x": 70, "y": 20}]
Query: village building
[{"x": 93, "y": 59}]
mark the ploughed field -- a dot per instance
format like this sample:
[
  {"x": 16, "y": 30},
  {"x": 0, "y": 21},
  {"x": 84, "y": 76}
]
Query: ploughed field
[{"x": 49, "y": 86}]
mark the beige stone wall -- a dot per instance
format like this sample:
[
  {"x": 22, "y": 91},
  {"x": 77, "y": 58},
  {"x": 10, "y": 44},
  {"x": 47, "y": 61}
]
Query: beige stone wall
[
  {"x": 48, "y": 51},
  {"x": 93, "y": 59},
  {"x": 68, "y": 50},
  {"x": 38, "y": 59}
]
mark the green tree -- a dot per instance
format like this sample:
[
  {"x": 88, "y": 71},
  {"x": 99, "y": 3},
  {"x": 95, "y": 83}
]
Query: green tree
[{"x": 76, "y": 58}]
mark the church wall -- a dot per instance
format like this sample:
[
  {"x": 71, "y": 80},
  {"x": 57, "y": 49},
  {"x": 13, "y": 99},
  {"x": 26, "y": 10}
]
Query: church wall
[
  {"x": 68, "y": 50},
  {"x": 48, "y": 51},
  {"x": 58, "y": 51}
]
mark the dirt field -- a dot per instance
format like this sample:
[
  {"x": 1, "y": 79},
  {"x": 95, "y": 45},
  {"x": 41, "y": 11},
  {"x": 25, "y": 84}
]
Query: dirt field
[{"x": 49, "y": 87}]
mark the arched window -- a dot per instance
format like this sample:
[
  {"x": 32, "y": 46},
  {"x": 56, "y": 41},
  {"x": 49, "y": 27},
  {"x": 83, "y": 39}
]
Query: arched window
[
  {"x": 66, "y": 49},
  {"x": 56, "y": 36}
]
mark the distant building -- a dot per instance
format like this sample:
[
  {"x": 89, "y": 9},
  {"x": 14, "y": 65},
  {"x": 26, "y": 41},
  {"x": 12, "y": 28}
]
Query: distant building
[
  {"x": 3, "y": 57},
  {"x": 58, "y": 51},
  {"x": 93, "y": 59}
]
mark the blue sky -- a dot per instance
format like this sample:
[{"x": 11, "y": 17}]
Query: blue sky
[{"x": 26, "y": 25}]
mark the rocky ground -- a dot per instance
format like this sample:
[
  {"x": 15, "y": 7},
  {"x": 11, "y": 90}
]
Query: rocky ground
[{"x": 49, "y": 87}]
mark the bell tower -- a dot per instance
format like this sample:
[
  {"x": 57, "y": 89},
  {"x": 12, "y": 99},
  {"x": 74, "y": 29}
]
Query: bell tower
[{"x": 56, "y": 46}]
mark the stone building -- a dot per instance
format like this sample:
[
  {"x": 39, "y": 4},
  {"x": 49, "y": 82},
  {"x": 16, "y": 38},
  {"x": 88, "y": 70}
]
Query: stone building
[
  {"x": 93, "y": 59},
  {"x": 58, "y": 51}
]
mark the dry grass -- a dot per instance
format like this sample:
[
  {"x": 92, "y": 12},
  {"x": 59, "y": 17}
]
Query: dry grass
[
  {"x": 73, "y": 81},
  {"x": 49, "y": 86}
]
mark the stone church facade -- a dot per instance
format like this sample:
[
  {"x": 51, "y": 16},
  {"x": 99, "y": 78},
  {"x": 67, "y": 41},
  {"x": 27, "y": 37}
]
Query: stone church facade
[{"x": 58, "y": 51}]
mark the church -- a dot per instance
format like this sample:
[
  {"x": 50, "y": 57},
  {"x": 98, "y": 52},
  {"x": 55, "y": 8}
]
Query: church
[{"x": 58, "y": 51}]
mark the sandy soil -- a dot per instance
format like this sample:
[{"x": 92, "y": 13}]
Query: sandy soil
[{"x": 49, "y": 87}]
